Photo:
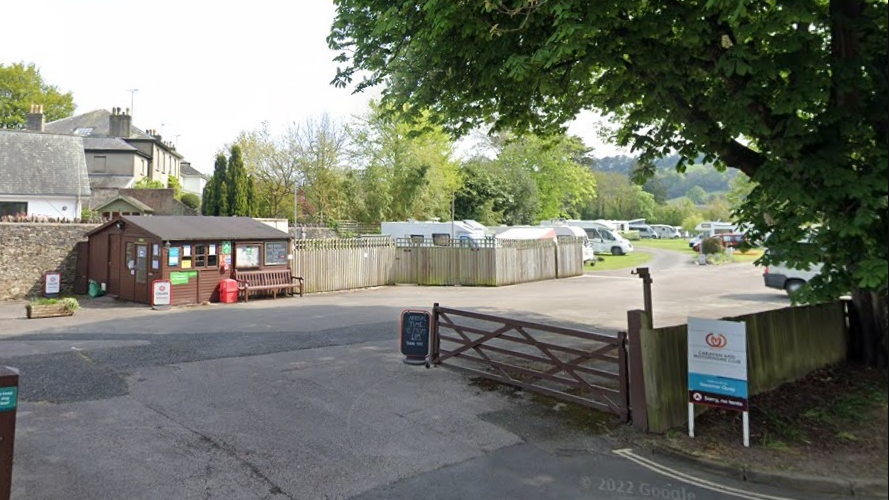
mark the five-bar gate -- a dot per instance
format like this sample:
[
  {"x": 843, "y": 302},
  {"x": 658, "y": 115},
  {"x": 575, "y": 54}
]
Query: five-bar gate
[{"x": 586, "y": 368}]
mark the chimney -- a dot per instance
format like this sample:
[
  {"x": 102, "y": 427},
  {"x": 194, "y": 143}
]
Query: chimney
[
  {"x": 35, "y": 121},
  {"x": 119, "y": 123}
]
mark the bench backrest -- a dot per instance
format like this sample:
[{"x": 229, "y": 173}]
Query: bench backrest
[{"x": 265, "y": 277}]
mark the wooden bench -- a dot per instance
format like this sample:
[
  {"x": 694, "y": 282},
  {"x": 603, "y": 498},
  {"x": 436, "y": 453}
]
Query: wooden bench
[{"x": 269, "y": 280}]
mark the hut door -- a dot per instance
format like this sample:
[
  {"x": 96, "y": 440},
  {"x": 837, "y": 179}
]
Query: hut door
[
  {"x": 128, "y": 273},
  {"x": 141, "y": 268},
  {"x": 114, "y": 271}
]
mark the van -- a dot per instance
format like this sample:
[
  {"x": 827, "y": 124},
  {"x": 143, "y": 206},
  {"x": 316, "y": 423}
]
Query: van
[
  {"x": 607, "y": 241},
  {"x": 645, "y": 231},
  {"x": 782, "y": 277},
  {"x": 665, "y": 231}
]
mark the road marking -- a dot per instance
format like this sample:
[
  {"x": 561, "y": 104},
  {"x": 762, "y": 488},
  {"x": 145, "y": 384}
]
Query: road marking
[
  {"x": 694, "y": 481},
  {"x": 609, "y": 277}
]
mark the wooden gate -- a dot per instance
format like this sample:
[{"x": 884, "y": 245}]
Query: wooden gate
[{"x": 586, "y": 368}]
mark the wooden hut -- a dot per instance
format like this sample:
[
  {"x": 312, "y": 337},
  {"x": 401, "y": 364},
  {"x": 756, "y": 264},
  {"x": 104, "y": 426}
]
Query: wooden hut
[{"x": 194, "y": 253}]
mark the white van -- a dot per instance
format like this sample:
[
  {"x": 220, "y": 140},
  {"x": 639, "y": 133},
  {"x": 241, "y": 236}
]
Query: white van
[
  {"x": 665, "y": 231},
  {"x": 607, "y": 241},
  {"x": 781, "y": 277},
  {"x": 645, "y": 231}
]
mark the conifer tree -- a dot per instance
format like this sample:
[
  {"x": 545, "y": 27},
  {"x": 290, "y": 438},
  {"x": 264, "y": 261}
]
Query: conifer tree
[{"x": 237, "y": 183}]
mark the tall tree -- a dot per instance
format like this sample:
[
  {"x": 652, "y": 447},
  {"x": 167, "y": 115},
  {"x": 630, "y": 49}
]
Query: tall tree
[
  {"x": 274, "y": 169},
  {"x": 215, "y": 195},
  {"x": 21, "y": 86},
  {"x": 792, "y": 94},
  {"x": 237, "y": 184},
  {"x": 411, "y": 166},
  {"x": 319, "y": 145}
]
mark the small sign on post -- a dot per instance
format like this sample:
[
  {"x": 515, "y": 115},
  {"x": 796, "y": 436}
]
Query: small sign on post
[
  {"x": 161, "y": 294},
  {"x": 52, "y": 283},
  {"x": 414, "y": 330},
  {"x": 717, "y": 368}
]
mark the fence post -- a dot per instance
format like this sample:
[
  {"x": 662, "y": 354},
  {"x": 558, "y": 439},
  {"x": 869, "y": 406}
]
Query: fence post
[
  {"x": 638, "y": 406},
  {"x": 9, "y": 382},
  {"x": 643, "y": 273}
]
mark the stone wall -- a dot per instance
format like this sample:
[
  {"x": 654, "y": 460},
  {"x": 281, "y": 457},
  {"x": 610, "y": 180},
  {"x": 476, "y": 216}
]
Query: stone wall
[{"x": 27, "y": 250}]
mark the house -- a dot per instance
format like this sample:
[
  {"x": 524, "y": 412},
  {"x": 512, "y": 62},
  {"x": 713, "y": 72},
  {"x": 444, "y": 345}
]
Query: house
[
  {"x": 42, "y": 175},
  {"x": 114, "y": 202},
  {"x": 193, "y": 181},
  {"x": 195, "y": 254},
  {"x": 118, "y": 154}
]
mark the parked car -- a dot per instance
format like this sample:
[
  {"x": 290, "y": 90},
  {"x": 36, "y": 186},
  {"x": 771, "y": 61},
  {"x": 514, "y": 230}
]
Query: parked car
[
  {"x": 782, "y": 277},
  {"x": 729, "y": 240}
]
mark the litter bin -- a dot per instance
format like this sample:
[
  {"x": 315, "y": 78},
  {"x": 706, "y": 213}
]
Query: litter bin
[{"x": 228, "y": 291}]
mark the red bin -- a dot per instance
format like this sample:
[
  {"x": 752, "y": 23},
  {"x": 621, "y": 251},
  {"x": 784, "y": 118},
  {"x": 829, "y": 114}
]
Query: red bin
[{"x": 228, "y": 291}]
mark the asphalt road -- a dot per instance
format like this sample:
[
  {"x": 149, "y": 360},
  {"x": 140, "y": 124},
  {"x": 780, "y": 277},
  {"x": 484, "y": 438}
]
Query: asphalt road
[{"x": 308, "y": 398}]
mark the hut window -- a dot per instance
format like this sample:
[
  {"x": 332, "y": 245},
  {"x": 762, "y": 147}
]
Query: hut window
[{"x": 205, "y": 255}]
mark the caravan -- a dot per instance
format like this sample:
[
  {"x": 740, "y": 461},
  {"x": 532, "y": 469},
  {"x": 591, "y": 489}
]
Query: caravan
[
  {"x": 603, "y": 238},
  {"x": 468, "y": 231},
  {"x": 553, "y": 232}
]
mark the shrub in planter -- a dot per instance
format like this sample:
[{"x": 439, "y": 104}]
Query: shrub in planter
[{"x": 46, "y": 308}]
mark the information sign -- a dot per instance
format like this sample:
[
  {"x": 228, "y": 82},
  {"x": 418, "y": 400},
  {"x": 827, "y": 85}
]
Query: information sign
[
  {"x": 414, "y": 330},
  {"x": 717, "y": 367},
  {"x": 52, "y": 281},
  {"x": 161, "y": 294}
]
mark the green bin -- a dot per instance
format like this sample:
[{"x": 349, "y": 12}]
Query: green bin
[{"x": 95, "y": 289}]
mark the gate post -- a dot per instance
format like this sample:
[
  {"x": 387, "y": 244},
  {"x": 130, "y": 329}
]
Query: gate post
[
  {"x": 434, "y": 342},
  {"x": 638, "y": 407},
  {"x": 646, "y": 294},
  {"x": 9, "y": 382}
]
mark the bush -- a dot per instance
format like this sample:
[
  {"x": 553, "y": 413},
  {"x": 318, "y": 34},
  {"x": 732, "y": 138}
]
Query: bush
[
  {"x": 711, "y": 246},
  {"x": 191, "y": 200}
]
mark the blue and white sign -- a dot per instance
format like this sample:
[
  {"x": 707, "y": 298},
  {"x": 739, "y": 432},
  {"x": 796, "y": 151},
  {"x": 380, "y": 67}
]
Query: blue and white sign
[
  {"x": 717, "y": 368},
  {"x": 717, "y": 363}
]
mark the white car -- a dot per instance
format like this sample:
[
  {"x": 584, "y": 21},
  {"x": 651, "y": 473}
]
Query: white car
[{"x": 790, "y": 280}]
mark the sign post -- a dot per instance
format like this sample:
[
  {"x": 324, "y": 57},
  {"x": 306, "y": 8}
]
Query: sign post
[
  {"x": 414, "y": 331},
  {"x": 161, "y": 294},
  {"x": 52, "y": 283},
  {"x": 717, "y": 368}
]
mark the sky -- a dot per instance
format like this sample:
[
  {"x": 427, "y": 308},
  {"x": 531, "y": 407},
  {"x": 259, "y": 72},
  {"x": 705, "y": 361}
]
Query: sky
[{"x": 198, "y": 72}]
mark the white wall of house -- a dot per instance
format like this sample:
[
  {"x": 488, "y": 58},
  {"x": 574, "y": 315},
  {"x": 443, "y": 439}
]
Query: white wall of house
[
  {"x": 193, "y": 184},
  {"x": 53, "y": 207}
]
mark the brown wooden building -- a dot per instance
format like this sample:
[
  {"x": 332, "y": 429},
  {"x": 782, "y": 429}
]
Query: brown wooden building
[{"x": 194, "y": 253}]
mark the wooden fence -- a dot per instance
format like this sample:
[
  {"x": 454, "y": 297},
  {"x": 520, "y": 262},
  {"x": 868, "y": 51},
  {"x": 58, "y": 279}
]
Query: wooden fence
[
  {"x": 782, "y": 345},
  {"x": 342, "y": 264}
]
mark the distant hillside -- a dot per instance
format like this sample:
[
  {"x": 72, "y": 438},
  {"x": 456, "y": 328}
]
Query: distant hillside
[{"x": 670, "y": 183}]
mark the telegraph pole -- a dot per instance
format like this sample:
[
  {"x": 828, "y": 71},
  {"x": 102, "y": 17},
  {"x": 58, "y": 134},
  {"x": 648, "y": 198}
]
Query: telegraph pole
[{"x": 132, "y": 100}]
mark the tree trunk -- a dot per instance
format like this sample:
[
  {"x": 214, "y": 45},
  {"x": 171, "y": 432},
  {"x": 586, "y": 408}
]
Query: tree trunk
[{"x": 868, "y": 319}]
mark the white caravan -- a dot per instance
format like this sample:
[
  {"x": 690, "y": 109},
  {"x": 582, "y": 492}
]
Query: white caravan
[
  {"x": 469, "y": 230},
  {"x": 548, "y": 231},
  {"x": 601, "y": 235}
]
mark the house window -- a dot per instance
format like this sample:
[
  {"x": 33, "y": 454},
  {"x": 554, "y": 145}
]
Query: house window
[
  {"x": 100, "y": 164},
  {"x": 275, "y": 253},
  {"x": 13, "y": 208},
  {"x": 205, "y": 255}
]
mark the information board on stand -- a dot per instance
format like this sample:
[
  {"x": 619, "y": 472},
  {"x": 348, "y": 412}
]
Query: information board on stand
[
  {"x": 414, "y": 329},
  {"x": 717, "y": 368}
]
